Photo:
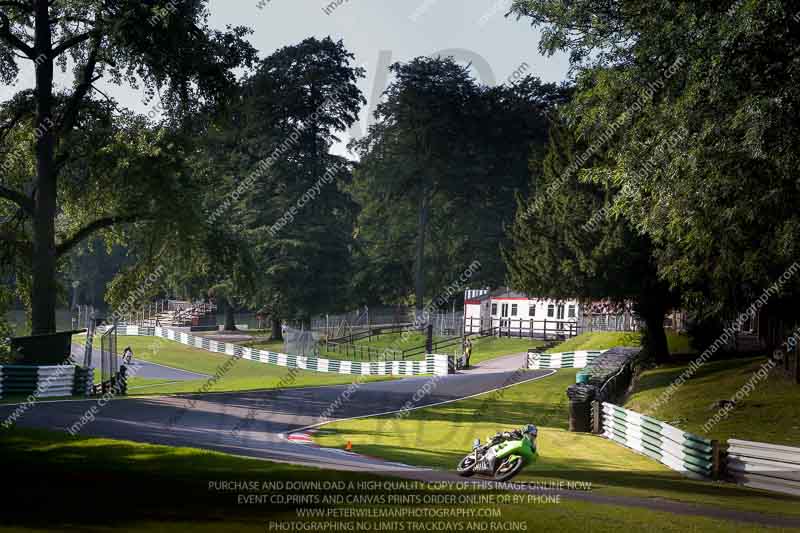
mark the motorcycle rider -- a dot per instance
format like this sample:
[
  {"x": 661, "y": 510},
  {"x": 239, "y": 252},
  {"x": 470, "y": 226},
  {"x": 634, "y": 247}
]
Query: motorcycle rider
[{"x": 502, "y": 436}]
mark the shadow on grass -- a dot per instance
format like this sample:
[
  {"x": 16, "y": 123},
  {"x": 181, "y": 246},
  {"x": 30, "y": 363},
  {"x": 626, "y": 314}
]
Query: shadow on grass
[
  {"x": 663, "y": 376},
  {"x": 60, "y": 481},
  {"x": 661, "y": 484}
]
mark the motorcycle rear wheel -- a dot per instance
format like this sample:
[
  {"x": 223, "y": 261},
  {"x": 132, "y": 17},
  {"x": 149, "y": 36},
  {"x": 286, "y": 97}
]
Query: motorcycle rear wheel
[{"x": 509, "y": 468}]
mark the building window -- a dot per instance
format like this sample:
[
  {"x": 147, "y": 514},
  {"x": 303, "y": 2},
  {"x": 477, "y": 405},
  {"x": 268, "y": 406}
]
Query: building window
[
  {"x": 531, "y": 310},
  {"x": 551, "y": 311},
  {"x": 513, "y": 309},
  {"x": 571, "y": 311},
  {"x": 494, "y": 309}
]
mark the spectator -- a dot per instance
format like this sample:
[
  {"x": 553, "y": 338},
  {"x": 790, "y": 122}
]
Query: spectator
[{"x": 467, "y": 352}]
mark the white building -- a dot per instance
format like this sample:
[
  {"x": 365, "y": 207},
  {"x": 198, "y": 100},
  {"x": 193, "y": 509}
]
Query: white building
[{"x": 516, "y": 314}]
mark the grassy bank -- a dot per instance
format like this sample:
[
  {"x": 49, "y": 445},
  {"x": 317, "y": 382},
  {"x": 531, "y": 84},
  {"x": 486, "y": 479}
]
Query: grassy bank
[
  {"x": 602, "y": 340},
  {"x": 487, "y": 348},
  {"x": 439, "y": 436},
  {"x": 483, "y": 348},
  {"x": 770, "y": 413},
  {"x": 242, "y": 375},
  {"x": 103, "y": 485}
]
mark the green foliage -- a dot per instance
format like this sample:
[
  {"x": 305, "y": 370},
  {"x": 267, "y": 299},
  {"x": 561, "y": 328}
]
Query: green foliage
[
  {"x": 6, "y": 332},
  {"x": 267, "y": 155},
  {"x": 439, "y": 169},
  {"x": 718, "y": 204},
  {"x": 97, "y": 166},
  {"x": 556, "y": 253}
]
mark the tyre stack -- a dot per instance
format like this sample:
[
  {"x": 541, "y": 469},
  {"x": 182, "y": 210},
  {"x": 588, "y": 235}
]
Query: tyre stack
[
  {"x": 580, "y": 397},
  {"x": 606, "y": 367}
]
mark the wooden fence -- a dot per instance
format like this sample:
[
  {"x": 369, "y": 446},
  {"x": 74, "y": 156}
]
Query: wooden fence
[
  {"x": 764, "y": 466},
  {"x": 524, "y": 327}
]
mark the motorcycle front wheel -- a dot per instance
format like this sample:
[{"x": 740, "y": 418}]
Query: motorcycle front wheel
[
  {"x": 509, "y": 468},
  {"x": 466, "y": 466}
]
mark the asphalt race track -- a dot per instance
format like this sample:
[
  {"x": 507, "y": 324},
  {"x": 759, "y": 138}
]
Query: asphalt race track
[
  {"x": 256, "y": 424},
  {"x": 146, "y": 369}
]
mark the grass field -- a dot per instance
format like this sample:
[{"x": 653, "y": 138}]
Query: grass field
[
  {"x": 243, "y": 375},
  {"x": 102, "y": 485},
  {"x": 483, "y": 348},
  {"x": 603, "y": 340},
  {"x": 490, "y": 347},
  {"x": 439, "y": 436},
  {"x": 771, "y": 413}
]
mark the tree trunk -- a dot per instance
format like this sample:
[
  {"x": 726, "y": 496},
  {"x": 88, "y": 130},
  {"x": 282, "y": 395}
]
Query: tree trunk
[
  {"x": 230, "y": 317},
  {"x": 656, "y": 338},
  {"x": 419, "y": 273},
  {"x": 277, "y": 333},
  {"x": 43, "y": 260}
]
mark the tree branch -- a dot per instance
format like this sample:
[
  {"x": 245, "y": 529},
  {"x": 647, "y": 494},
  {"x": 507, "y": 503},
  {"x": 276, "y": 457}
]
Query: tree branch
[
  {"x": 13, "y": 40},
  {"x": 70, "y": 115},
  {"x": 22, "y": 246},
  {"x": 93, "y": 227},
  {"x": 22, "y": 6},
  {"x": 18, "y": 198},
  {"x": 69, "y": 43}
]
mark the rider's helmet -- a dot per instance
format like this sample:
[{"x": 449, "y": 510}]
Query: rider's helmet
[{"x": 531, "y": 430}]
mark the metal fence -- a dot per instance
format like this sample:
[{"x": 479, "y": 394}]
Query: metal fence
[
  {"x": 608, "y": 322},
  {"x": 444, "y": 324},
  {"x": 764, "y": 466}
]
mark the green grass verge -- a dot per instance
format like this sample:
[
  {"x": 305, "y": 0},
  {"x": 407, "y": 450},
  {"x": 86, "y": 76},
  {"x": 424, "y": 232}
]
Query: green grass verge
[
  {"x": 271, "y": 346},
  {"x": 103, "y": 485},
  {"x": 603, "y": 340},
  {"x": 483, "y": 349},
  {"x": 487, "y": 348},
  {"x": 146, "y": 382},
  {"x": 243, "y": 374},
  {"x": 399, "y": 341},
  {"x": 770, "y": 413},
  {"x": 439, "y": 436}
]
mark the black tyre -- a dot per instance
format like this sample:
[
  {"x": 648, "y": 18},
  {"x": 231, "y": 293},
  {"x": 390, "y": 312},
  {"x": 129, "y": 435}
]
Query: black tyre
[
  {"x": 509, "y": 468},
  {"x": 466, "y": 466}
]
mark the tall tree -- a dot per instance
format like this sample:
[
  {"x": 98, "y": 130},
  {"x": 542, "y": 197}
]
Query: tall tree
[
  {"x": 720, "y": 205},
  {"x": 160, "y": 46},
  {"x": 405, "y": 153},
  {"x": 557, "y": 251},
  {"x": 446, "y": 204},
  {"x": 296, "y": 213}
]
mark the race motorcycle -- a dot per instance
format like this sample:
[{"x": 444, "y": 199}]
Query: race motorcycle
[{"x": 503, "y": 456}]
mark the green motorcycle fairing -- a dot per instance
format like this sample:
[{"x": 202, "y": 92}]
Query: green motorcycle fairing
[{"x": 521, "y": 448}]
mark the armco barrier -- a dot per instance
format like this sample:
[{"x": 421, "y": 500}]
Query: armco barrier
[
  {"x": 45, "y": 381},
  {"x": 764, "y": 466},
  {"x": 577, "y": 359},
  {"x": 684, "y": 452},
  {"x": 433, "y": 363}
]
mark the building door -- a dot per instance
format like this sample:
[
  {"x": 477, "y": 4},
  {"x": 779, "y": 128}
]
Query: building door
[
  {"x": 504, "y": 315},
  {"x": 560, "y": 316}
]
